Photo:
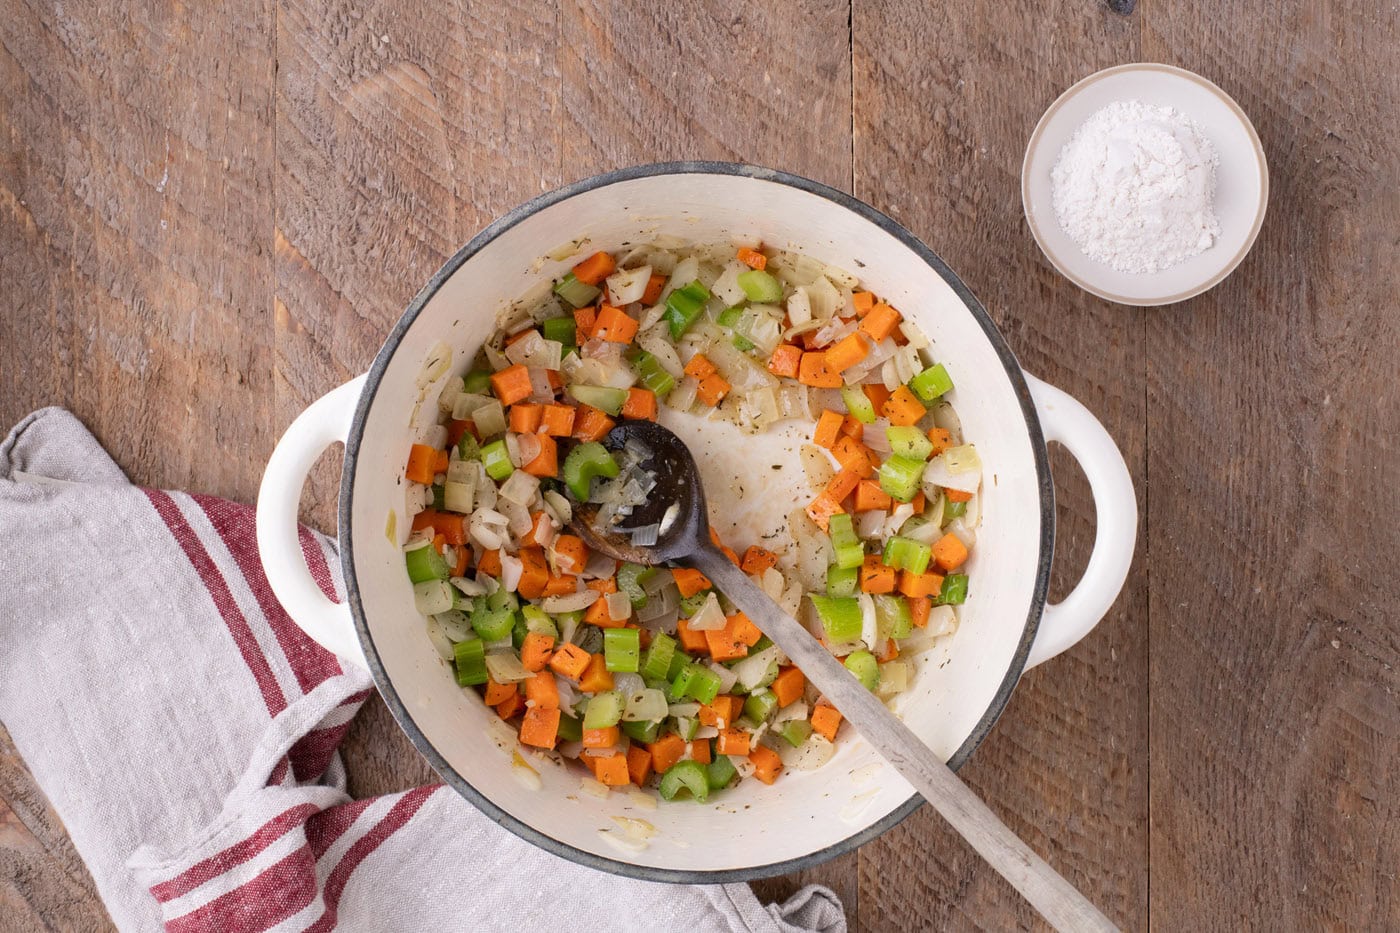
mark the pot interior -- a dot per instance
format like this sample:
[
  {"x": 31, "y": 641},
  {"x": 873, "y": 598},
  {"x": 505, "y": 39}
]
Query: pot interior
[{"x": 961, "y": 684}]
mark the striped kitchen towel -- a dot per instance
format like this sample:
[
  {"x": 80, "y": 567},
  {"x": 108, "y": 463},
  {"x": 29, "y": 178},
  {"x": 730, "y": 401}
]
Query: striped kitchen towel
[{"x": 185, "y": 730}]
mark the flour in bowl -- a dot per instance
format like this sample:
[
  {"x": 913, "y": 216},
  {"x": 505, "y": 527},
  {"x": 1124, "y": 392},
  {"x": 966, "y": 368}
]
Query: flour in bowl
[{"x": 1135, "y": 187}]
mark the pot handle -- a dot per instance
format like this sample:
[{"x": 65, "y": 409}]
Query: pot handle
[
  {"x": 1066, "y": 421},
  {"x": 326, "y": 421}
]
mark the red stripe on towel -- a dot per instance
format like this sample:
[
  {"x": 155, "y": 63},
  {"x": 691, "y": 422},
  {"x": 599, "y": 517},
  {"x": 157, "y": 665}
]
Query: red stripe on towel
[
  {"x": 265, "y": 901},
  {"x": 235, "y": 855}
]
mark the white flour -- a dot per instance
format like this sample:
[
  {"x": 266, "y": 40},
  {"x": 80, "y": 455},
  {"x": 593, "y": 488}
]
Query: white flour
[{"x": 1135, "y": 187}]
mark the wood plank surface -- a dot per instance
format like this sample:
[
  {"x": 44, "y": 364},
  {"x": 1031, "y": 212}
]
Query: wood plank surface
[{"x": 209, "y": 217}]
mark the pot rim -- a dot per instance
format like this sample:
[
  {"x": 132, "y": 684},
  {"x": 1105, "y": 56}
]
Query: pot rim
[{"x": 347, "y": 483}]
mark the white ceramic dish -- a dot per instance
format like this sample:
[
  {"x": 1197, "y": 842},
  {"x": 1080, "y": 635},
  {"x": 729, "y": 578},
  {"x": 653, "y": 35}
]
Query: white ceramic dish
[
  {"x": 751, "y": 830},
  {"x": 1242, "y": 181}
]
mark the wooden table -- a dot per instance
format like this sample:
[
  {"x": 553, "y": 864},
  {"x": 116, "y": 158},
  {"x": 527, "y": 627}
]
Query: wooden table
[{"x": 211, "y": 215}]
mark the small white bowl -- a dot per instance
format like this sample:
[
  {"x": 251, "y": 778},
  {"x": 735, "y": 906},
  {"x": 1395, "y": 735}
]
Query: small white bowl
[{"x": 1241, "y": 181}]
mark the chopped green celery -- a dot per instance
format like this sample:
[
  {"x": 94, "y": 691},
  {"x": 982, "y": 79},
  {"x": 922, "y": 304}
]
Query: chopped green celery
[
  {"x": 892, "y": 616},
  {"x": 439, "y": 496},
  {"x": 631, "y": 578},
  {"x": 686, "y": 727},
  {"x": 518, "y": 631},
  {"x": 604, "y": 398},
  {"x": 657, "y": 662},
  {"x": 795, "y": 731},
  {"x": 841, "y": 582},
  {"x": 461, "y": 601},
  {"x": 503, "y": 599},
  {"x": 477, "y": 382},
  {"x": 470, "y": 658},
  {"x": 622, "y": 649},
  {"x": 496, "y": 459},
  {"x": 909, "y": 441},
  {"x": 604, "y": 709},
  {"x": 679, "y": 661},
  {"x": 704, "y": 684},
  {"x": 858, "y": 404},
  {"x": 561, "y": 329},
  {"x": 686, "y": 775},
  {"x": 575, "y": 292},
  {"x": 680, "y": 682},
  {"x": 759, "y": 706},
  {"x": 763, "y": 643},
  {"x": 653, "y": 375},
  {"x": 907, "y": 554},
  {"x": 493, "y": 624},
  {"x": 689, "y": 605},
  {"x": 647, "y": 732},
  {"x": 683, "y": 307},
  {"x": 954, "y": 591},
  {"x": 570, "y": 728},
  {"x": 743, "y": 343},
  {"x": 728, "y": 318},
  {"x": 952, "y": 510},
  {"x": 539, "y": 622},
  {"x": 867, "y": 670},
  {"x": 566, "y": 619},
  {"x": 583, "y": 463},
  {"x": 760, "y": 286},
  {"x": 425, "y": 563},
  {"x": 840, "y": 617},
  {"x": 720, "y": 772},
  {"x": 850, "y": 552},
  {"x": 468, "y": 448},
  {"x": 931, "y": 383},
  {"x": 900, "y": 476}
]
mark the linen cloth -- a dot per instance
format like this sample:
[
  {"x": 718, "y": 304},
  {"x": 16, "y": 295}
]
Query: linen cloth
[{"x": 185, "y": 731}]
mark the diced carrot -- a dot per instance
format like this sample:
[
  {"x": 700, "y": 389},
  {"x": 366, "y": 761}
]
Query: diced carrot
[
  {"x": 889, "y": 652},
  {"x": 534, "y": 573},
  {"x": 766, "y": 764},
  {"x": 520, "y": 335},
  {"x": 949, "y": 553},
  {"x": 555, "y": 379},
  {"x": 785, "y": 361},
  {"x": 640, "y": 404},
  {"x": 700, "y": 751},
  {"x": 942, "y": 439},
  {"x": 854, "y": 456},
  {"x": 713, "y": 388},
  {"x": 919, "y": 608},
  {"x": 957, "y": 495},
  {"x": 822, "y": 508},
  {"x": 744, "y": 629},
  {"x": 733, "y": 742},
  {"x": 870, "y": 497},
  {"x": 654, "y": 286},
  {"x": 511, "y": 384},
  {"x": 614, "y": 325},
  {"x": 689, "y": 581},
  {"x": 879, "y": 322},
  {"x": 638, "y": 764},
  {"x": 542, "y": 690},
  {"x": 457, "y": 429},
  {"x": 535, "y": 651},
  {"x": 584, "y": 319},
  {"x": 721, "y": 712},
  {"x": 463, "y": 558},
  {"x": 757, "y": 560},
  {"x": 557, "y": 420},
  {"x": 570, "y": 554},
  {"x": 828, "y": 429},
  {"x": 570, "y": 661},
  {"x": 919, "y": 584},
  {"x": 826, "y": 720},
  {"x": 511, "y": 706},
  {"x": 863, "y": 301},
  {"x": 606, "y": 737},
  {"x": 813, "y": 371},
  {"x": 729, "y": 643},
  {"x": 877, "y": 393},
  {"x": 540, "y": 727},
  {"x": 440, "y": 462},
  {"x": 752, "y": 258},
  {"x": 439, "y": 542},
  {"x": 448, "y": 524},
  {"x": 852, "y": 428},
  {"x": 598, "y": 614},
  {"x": 699, "y": 366},
  {"x": 876, "y": 577},
  {"x": 496, "y": 694},
  {"x": 919, "y": 503},
  {"x": 546, "y": 462},
  {"x": 847, "y": 352},
  {"x": 561, "y": 584},
  {"x": 541, "y": 531},
  {"x": 603, "y": 585},
  {"x": 595, "y": 268},
  {"x": 665, "y": 752},
  {"x": 903, "y": 407},
  {"x": 612, "y": 769},
  {"x": 525, "y": 417},
  {"x": 596, "y": 677},
  {"x": 422, "y": 464},
  {"x": 788, "y": 686},
  {"x": 592, "y": 424},
  {"x": 489, "y": 563},
  {"x": 730, "y": 553},
  {"x": 692, "y": 641},
  {"x": 842, "y": 485}
]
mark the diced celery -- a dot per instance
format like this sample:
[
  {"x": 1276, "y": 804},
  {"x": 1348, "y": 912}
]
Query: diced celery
[
  {"x": 892, "y": 616},
  {"x": 575, "y": 292},
  {"x": 570, "y": 728},
  {"x": 686, "y": 775},
  {"x": 907, "y": 554},
  {"x": 858, "y": 404},
  {"x": 647, "y": 732},
  {"x": 954, "y": 591},
  {"x": 683, "y": 307},
  {"x": 952, "y": 510},
  {"x": 653, "y": 375},
  {"x": 657, "y": 661},
  {"x": 493, "y": 624},
  {"x": 476, "y": 382},
  {"x": 561, "y": 329},
  {"x": 604, "y": 709},
  {"x": 795, "y": 731},
  {"x": 425, "y": 563},
  {"x": 759, "y": 706},
  {"x": 622, "y": 649},
  {"x": 720, "y": 772},
  {"x": 909, "y": 441},
  {"x": 840, "y": 617},
  {"x": 704, "y": 684},
  {"x": 689, "y": 605},
  {"x": 867, "y": 670},
  {"x": 469, "y": 656},
  {"x": 631, "y": 578},
  {"x": 931, "y": 383},
  {"x": 539, "y": 622},
  {"x": 900, "y": 476},
  {"x": 583, "y": 463},
  {"x": 850, "y": 552},
  {"x": 604, "y": 398},
  {"x": 496, "y": 459},
  {"x": 760, "y": 286},
  {"x": 841, "y": 582}
]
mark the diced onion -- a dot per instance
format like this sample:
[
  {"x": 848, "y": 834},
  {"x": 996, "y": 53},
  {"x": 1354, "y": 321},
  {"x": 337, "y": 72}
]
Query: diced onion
[
  {"x": 894, "y": 678},
  {"x": 710, "y": 617},
  {"x": 505, "y": 667},
  {"x": 441, "y": 643},
  {"x": 727, "y": 677},
  {"x": 619, "y": 605},
  {"x": 511, "y": 570},
  {"x": 794, "y": 710},
  {"x": 437, "y": 361},
  {"x": 521, "y": 487},
  {"x": 644, "y": 706},
  {"x": 752, "y": 669},
  {"x": 727, "y": 285},
  {"x": 432, "y": 596},
  {"x": 457, "y": 497},
  {"x": 570, "y": 602},
  {"x": 810, "y": 755},
  {"x": 940, "y": 471},
  {"x": 799, "y": 307},
  {"x": 869, "y": 626},
  {"x": 683, "y": 710},
  {"x": 628, "y": 285}
]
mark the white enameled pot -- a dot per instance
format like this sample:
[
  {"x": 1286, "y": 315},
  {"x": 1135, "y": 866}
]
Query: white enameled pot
[{"x": 961, "y": 686}]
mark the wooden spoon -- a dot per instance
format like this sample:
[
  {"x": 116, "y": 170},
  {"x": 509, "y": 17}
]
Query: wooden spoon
[{"x": 685, "y": 539}]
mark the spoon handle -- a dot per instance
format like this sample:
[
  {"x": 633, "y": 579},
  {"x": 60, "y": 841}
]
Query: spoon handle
[{"x": 1057, "y": 900}]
